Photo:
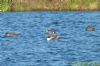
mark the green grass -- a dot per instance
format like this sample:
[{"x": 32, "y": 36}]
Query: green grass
[
  {"x": 67, "y": 5},
  {"x": 4, "y": 5}
]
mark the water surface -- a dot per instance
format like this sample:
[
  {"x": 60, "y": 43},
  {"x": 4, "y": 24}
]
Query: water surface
[{"x": 31, "y": 47}]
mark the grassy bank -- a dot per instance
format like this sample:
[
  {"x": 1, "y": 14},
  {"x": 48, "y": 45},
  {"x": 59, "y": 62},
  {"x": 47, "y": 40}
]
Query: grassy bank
[
  {"x": 5, "y": 5},
  {"x": 50, "y": 5}
]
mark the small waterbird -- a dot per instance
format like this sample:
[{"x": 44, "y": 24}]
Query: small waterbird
[
  {"x": 90, "y": 28},
  {"x": 50, "y": 31},
  {"x": 11, "y": 34},
  {"x": 53, "y": 38}
]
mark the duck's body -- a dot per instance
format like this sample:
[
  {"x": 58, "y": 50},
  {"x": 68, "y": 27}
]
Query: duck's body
[{"x": 53, "y": 38}]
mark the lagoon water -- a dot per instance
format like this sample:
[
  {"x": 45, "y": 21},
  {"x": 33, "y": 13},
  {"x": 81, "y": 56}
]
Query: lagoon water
[{"x": 31, "y": 48}]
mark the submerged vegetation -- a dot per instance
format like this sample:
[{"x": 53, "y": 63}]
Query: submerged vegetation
[
  {"x": 49, "y": 5},
  {"x": 93, "y": 63}
]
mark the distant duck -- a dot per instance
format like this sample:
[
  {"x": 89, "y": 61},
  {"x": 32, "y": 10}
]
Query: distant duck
[
  {"x": 53, "y": 38},
  {"x": 50, "y": 31},
  {"x": 11, "y": 35},
  {"x": 90, "y": 28}
]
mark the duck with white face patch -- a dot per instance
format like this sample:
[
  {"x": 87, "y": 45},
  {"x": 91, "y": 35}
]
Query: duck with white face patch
[{"x": 50, "y": 31}]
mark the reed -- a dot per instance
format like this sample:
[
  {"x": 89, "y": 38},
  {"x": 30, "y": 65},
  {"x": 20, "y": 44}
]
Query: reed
[{"x": 50, "y": 5}]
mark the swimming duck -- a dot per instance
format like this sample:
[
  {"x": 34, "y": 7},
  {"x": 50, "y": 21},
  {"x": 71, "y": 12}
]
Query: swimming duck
[
  {"x": 11, "y": 34},
  {"x": 90, "y": 28},
  {"x": 50, "y": 31},
  {"x": 53, "y": 38}
]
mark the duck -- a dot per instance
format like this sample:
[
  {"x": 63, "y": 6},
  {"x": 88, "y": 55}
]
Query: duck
[
  {"x": 90, "y": 28},
  {"x": 50, "y": 31},
  {"x": 11, "y": 35},
  {"x": 53, "y": 38}
]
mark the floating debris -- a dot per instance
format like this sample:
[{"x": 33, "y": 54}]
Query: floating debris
[
  {"x": 90, "y": 28},
  {"x": 53, "y": 38},
  {"x": 11, "y": 34}
]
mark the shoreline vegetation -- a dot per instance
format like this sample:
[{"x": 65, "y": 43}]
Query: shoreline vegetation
[{"x": 49, "y": 5}]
